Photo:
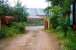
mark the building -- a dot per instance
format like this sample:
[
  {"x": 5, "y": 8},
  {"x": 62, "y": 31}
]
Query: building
[{"x": 36, "y": 16}]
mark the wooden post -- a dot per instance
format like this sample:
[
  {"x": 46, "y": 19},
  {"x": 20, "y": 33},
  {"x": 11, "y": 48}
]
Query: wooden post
[{"x": 46, "y": 23}]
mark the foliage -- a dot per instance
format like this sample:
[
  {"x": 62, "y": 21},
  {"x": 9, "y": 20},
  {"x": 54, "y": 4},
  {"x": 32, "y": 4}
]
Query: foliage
[
  {"x": 55, "y": 16},
  {"x": 20, "y": 26},
  {"x": 65, "y": 4},
  {"x": 12, "y": 30},
  {"x": 3, "y": 7},
  {"x": 56, "y": 2},
  {"x": 60, "y": 21},
  {"x": 60, "y": 10},
  {"x": 20, "y": 12},
  {"x": 59, "y": 18},
  {"x": 66, "y": 43}
]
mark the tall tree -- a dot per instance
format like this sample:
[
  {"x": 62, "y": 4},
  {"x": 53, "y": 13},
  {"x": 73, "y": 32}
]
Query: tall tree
[
  {"x": 65, "y": 4},
  {"x": 56, "y": 2},
  {"x": 3, "y": 7},
  {"x": 20, "y": 12}
]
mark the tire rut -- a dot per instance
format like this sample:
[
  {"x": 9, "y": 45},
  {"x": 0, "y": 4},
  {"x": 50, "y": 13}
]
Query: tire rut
[{"x": 33, "y": 40}]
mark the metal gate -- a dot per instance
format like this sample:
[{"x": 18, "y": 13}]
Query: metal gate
[{"x": 35, "y": 22}]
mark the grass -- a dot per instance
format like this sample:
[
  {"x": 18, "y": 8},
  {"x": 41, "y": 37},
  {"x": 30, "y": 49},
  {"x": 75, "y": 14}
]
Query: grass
[{"x": 66, "y": 43}]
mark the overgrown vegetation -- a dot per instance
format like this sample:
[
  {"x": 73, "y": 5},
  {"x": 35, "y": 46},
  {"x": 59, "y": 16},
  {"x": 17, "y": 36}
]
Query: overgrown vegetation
[
  {"x": 59, "y": 19},
  {"x": 12, "y": 30},
  {"x": 20, "y": 18}
]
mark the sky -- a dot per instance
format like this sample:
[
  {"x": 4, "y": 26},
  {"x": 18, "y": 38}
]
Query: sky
[{"x": 31, "y": 3}]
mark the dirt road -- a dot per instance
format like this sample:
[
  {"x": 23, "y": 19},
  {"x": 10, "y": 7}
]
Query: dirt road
[{"x": 33, "y": 40}]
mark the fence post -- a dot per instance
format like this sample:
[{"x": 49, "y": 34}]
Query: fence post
[{"x": 46, "y": 24}]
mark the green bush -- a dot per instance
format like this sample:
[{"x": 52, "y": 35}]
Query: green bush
[
  {"x": 2, "y": 35},
  {"x": 12, "y": 30},
  {"x": 20, "y": 26},
  {"x": 69, "y": 42}
]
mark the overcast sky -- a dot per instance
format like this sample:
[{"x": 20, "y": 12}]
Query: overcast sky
[{"x": 31, "y": 3}]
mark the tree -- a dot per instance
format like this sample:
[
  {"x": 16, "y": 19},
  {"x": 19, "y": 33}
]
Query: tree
[
  {"x": 56, "y": 2},
  {"x": 3, "y": 7},
  {"x": 65, "y": 4},
  {"x": 56, "y": 16},
  {"x": 60, "y": 7},
  {"x": 20, "y": 12}
]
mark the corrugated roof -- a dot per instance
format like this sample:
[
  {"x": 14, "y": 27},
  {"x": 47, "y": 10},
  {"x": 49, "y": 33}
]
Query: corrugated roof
[
  {"x": 35, "y": 11},
  {"x": 39, "y": 17}
]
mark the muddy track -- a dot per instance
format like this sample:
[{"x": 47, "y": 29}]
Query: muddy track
[{"x": 33, "y": 40}]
